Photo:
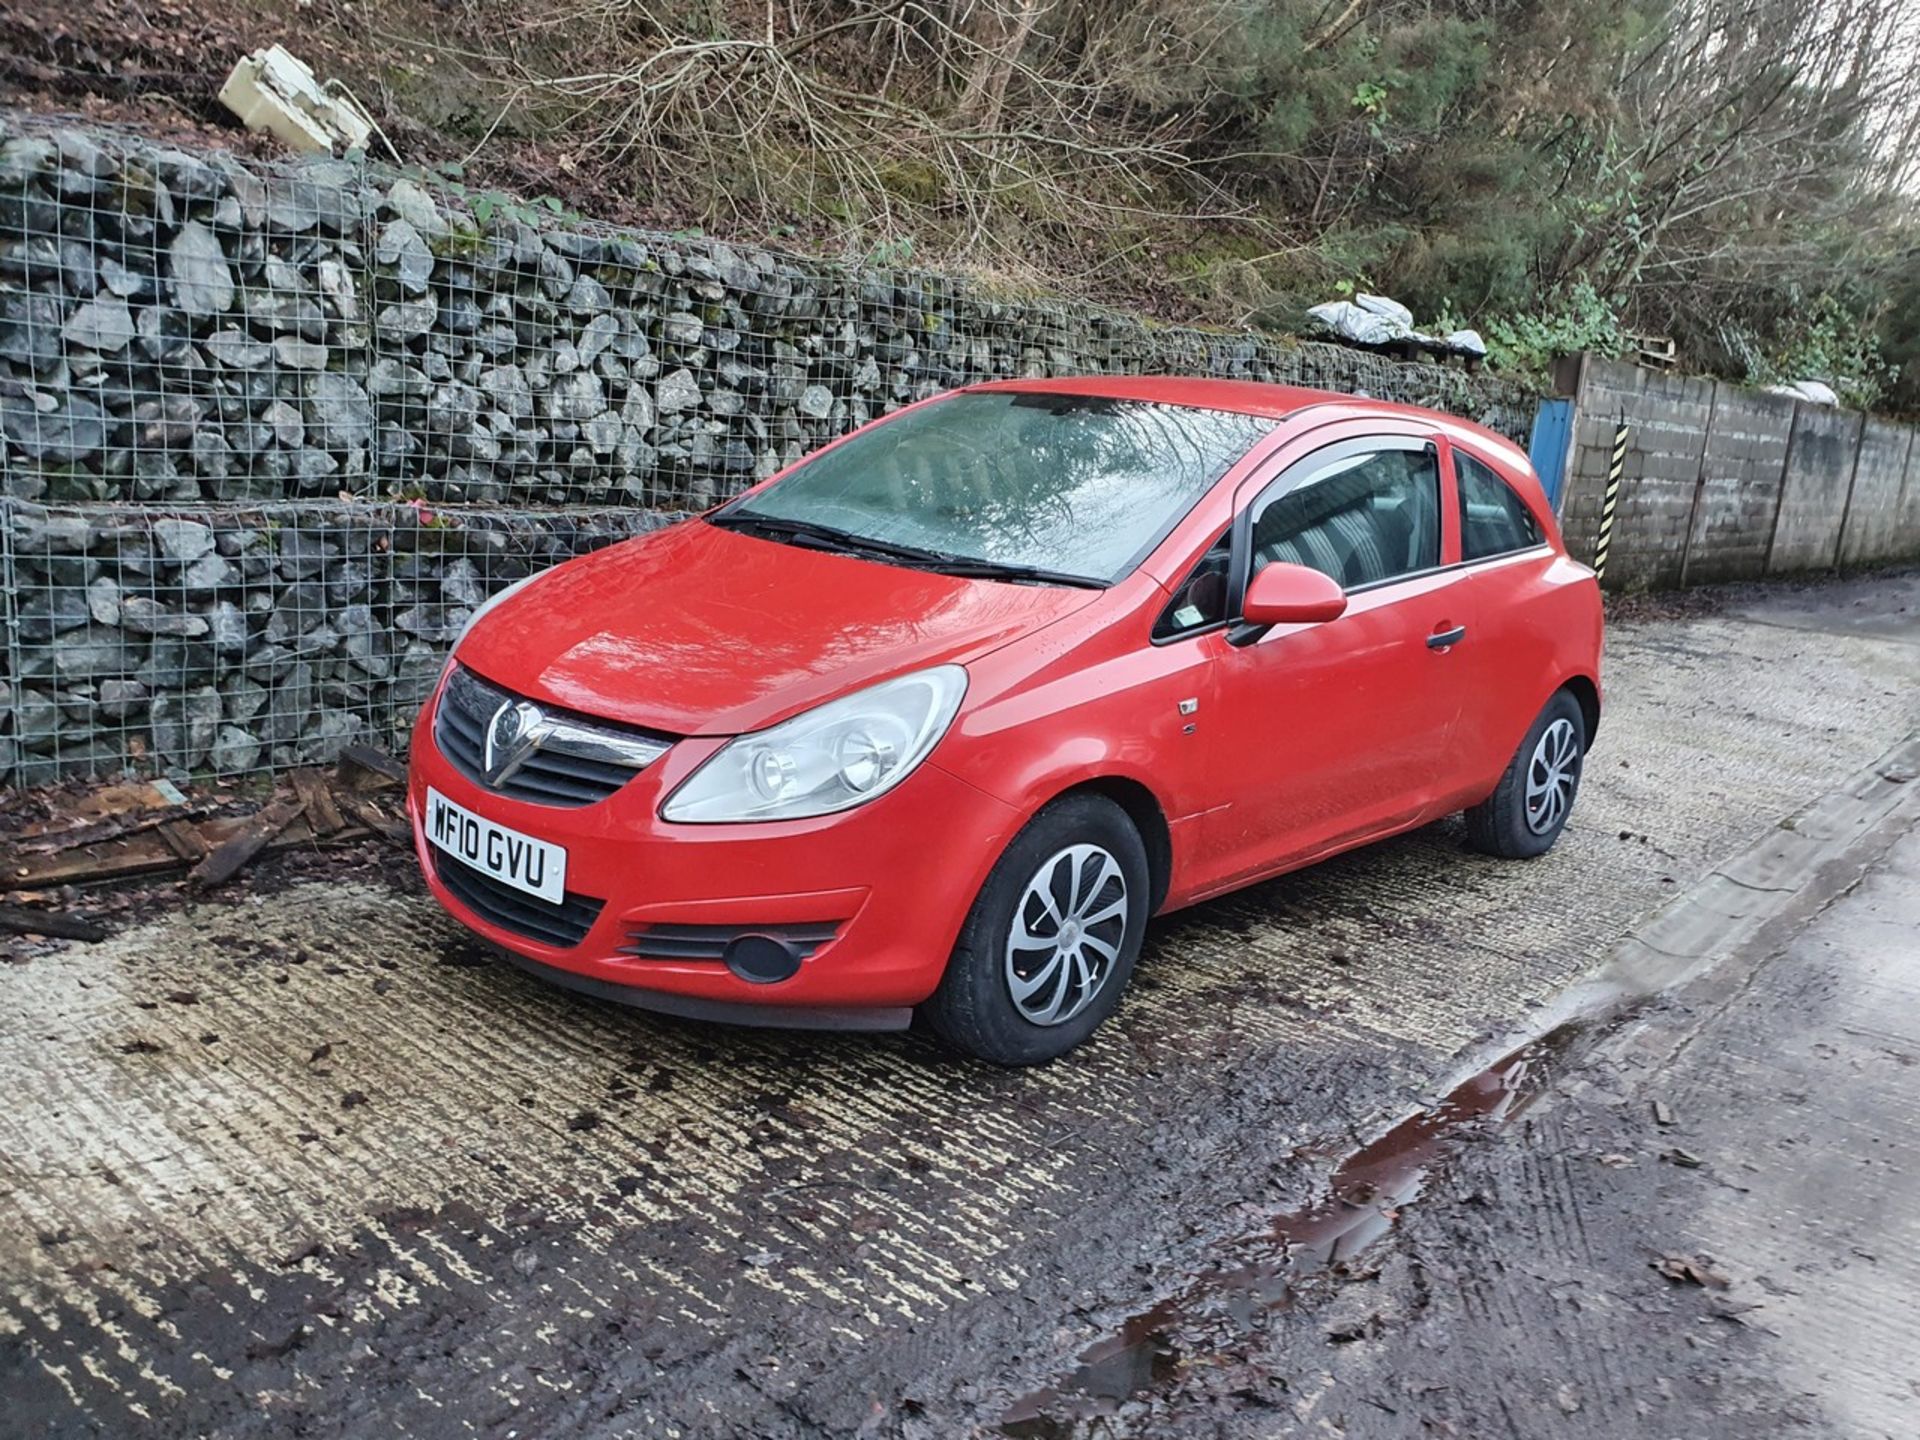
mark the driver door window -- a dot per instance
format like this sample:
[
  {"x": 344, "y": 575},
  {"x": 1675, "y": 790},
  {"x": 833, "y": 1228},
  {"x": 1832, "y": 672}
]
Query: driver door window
[{"x": 1365, "y": 519}]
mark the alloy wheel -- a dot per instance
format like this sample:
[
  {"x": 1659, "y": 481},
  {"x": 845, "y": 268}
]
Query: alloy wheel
[{"x": 1066, "y": 934}]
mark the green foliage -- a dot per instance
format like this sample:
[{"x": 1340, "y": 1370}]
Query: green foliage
[
  {"x": 1828, "y": 340},
  {"x": 1528, "y": 343}
]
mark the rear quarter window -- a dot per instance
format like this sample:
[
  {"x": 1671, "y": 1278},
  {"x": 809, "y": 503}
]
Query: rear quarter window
[{"x": 1493, "y": 519}]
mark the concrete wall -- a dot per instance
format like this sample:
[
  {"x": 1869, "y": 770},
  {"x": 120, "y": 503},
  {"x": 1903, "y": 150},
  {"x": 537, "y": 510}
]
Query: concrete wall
[
  {"x": 1739, "y": 489},
  {"x": 1813, "y": 501},
  {"x": 1872, "y": 533},
  {"x": 1726, "y": 483},
  {"x": 1668, "y": 416}
]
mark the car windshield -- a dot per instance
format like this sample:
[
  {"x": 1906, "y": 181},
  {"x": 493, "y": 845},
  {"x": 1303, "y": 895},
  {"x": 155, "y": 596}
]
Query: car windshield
[{"x": 1059, "y": 486}]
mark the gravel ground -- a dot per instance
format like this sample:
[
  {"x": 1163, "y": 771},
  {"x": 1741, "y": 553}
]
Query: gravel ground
[{"x": 311, "y": 1159}]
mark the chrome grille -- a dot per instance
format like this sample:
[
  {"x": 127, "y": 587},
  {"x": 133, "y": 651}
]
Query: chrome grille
[
  {"x": 578, "y": 762},
  {"x": 564, "y": 925}
]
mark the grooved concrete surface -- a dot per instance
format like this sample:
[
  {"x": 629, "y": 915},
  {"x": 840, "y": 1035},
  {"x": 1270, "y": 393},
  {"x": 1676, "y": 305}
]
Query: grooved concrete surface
[
  {"x": 1521, "y": 1295},
  {"x": 312, "y": 1164}
]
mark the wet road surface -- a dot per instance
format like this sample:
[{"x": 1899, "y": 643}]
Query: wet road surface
[{"x": 302, "y": 1162}]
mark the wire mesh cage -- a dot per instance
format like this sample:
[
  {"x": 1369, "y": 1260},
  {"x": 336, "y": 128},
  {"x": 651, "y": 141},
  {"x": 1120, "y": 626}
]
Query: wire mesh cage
[{"x": 229, "y": 391}]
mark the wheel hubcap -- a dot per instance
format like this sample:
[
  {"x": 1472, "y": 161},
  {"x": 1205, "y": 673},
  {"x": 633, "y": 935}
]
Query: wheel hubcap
[
  {"x": 1552, "y": 774},
  {"x": 1066, "y": 934}
]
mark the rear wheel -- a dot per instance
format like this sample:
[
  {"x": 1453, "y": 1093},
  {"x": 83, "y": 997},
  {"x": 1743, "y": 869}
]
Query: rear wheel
[
  {"x": 1529, "y": 807},
  {"x": 1051, "y": 940}
]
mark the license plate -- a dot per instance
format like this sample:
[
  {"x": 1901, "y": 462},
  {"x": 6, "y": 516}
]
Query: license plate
[{"x": 535, "y": 866}]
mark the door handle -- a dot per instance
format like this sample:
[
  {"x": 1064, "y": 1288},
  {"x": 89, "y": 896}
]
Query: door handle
[{"x": 1441, "y": 639}]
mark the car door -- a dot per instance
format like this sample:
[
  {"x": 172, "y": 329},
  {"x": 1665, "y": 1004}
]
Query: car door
[
  {"x": 1505, "y": 554},
  {"x": 1324, "y": 735}
]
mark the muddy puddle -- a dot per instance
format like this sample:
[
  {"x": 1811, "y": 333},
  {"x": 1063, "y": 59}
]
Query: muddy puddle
[{"x": 1261, "y": 1272}]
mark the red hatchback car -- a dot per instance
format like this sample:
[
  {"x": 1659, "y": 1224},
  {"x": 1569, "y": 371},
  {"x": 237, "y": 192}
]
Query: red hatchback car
[{"x": 939, "y": 716}]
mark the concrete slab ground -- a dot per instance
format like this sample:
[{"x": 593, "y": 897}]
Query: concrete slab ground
[
  {"x": 312, "y": 1162},
  {"x": 1704, "y": 1227}
]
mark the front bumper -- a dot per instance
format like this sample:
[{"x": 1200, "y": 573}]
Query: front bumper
[{"x": 892, "y": 881}]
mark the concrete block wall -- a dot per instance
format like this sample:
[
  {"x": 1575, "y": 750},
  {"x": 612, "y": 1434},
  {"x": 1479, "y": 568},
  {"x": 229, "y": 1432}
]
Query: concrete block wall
[
  {"x": 1871, "y": 534},
  {"x": 1668, "y": 415},
  {"x": 1739, "y": 489},
  {"x": 1726, "y": 483},
  {"x": 1813, "y": 501}
]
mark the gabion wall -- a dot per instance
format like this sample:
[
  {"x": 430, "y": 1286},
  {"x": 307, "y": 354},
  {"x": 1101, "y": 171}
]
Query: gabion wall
[{"x": 222, "y": 384}]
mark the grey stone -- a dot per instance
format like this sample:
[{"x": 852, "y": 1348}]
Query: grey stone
[
  {"x": 816, "y": 402},
  {"x": 337, "y": 284},
  {"x": 69, "y": 431},
  {"x": 120, "y": 698},
  {"x": 681, "y": 328},
  {"x": 103, "y": 600},
  {"x": 296, "y": 354},
  {"x": 391, "y": 377},
  {"x": 79, "y": 152},
  {"x": 406, "y": 319},
  {"x": 339, "y": 414},
  {"x": 146, "y": 616},
  {"x": 202, "y": 281},
  {"x": 187, "y": 176},
  {"x": 579, "y": 396},
  {"x": 285, "y": 422},
  {"x": 415, "y": 208},
  {"x": 103, "y": 323},
  {"x": 588, "y": 296},
  {"x": 461, "y": 584},
  {"x": 507, "y": 386},
  {"x": 677, "y": 391},
  {"x": 206, "y": 575},
  {"x": 24, "y": 157},
  {"x": 237, "y": 350},
  {"x": 184, "y": 726},
  {"x": 401, "y": 249},
  {"x": 279, "y": 310},
  {"x": 330, "y": 734},
  {"x": 82, "y": 655},
  {"x": 50, "y": 613},
  {"x": 596, "y": 336},
  {"x": 227, "y": 628},
  {"x": 234, "y": 750},
  {"x": 182, "y": 541}
]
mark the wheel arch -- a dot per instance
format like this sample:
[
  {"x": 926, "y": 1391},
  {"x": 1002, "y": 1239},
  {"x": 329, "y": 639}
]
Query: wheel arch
[
  {"x": 1587, "y": 693},
  {"x": 1143, "y": 808}
]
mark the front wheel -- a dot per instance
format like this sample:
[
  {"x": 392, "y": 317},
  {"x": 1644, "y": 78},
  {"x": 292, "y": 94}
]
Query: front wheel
[
  {"x": 1051, "y": 940},
  {"x": 1529, "y": 807}
]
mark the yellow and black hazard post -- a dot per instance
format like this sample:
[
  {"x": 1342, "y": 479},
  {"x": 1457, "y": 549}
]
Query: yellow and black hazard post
[{"x": 1615, "y": 470}]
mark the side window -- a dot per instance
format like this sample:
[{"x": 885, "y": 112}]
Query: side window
[
  {"x": 1201, "y": 599},
  {"x": 1365, "y": 518},
  {"x": 1493, "y": 520}
]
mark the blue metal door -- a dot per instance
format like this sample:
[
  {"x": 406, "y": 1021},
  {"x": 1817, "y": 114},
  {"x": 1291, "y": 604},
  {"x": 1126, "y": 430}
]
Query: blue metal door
[{"x": 1552, "y": 430}]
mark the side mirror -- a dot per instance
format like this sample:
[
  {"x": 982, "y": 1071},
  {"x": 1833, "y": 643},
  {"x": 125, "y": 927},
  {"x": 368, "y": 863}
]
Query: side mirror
[{"x": 1282, "y": 594}]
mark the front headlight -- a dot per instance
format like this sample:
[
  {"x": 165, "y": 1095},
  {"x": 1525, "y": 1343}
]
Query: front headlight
[
  {"x": 492, "y": 600},
  {"x": 842, "y": 754}
]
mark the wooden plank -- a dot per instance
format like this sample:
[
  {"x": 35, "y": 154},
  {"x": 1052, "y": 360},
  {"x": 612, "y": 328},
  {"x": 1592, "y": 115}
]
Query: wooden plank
[
  {"x": 17, "y": 920},
  {"x": 375, "y": 819},
  {"x": 362, "y": 767},
  {"x": 322, "y": 814},
  {"x": 184, "y": 840},
  {"x": 235, "y": 853}
]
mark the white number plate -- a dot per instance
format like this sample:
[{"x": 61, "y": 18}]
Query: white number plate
[{"x": 535, "y": 866}]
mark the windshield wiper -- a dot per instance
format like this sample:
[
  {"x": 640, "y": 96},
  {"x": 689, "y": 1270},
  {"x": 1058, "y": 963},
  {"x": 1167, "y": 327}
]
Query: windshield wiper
[
  {"x": 1008, "y": 570},
  {"x": 828, "y": 537}
]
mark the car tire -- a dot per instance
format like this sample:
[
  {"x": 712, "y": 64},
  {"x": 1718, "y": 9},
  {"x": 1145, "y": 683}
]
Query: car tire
[
  {"x": 1529, "y": 807},
  {"x": 1083, "y": 853}
]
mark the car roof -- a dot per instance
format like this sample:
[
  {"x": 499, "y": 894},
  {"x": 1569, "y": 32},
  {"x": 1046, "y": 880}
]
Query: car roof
[{"x": 1254, "y": 397}]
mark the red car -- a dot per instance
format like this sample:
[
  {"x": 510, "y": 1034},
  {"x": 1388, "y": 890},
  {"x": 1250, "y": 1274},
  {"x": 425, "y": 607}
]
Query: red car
[{"x": 938, "y": 717}]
